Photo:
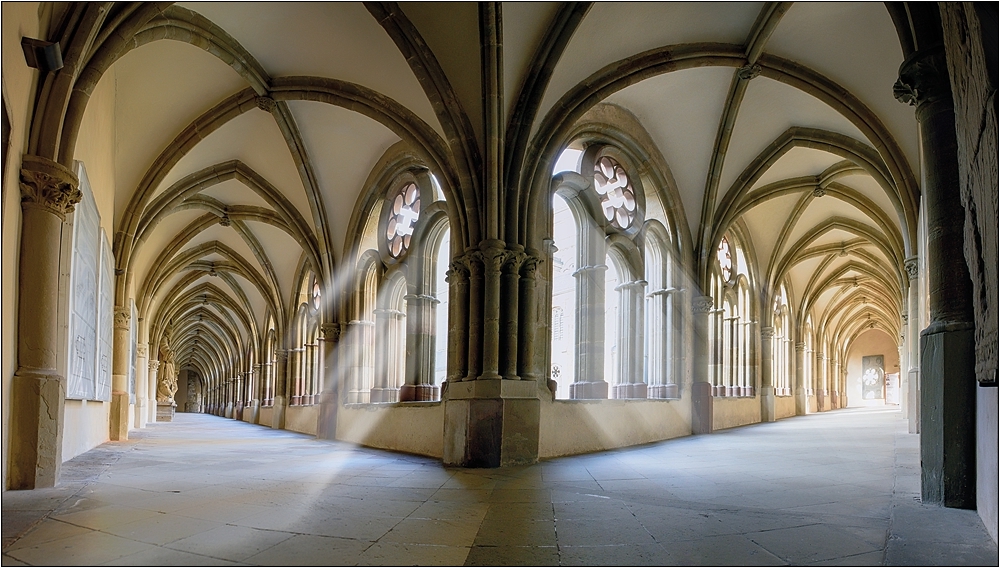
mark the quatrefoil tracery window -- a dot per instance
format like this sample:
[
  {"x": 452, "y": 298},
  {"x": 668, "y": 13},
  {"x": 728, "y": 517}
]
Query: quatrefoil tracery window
[
  {"x": 616, "y": 193},
  {"x": 402, "y": 219}
]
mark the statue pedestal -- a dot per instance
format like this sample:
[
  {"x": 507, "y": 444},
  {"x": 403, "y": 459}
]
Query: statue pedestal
[{"x": 165, "y": 411}]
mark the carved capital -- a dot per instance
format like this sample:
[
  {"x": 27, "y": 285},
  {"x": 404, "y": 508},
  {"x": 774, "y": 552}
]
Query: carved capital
[
  {"x": 123, "y": 317},
  {"x": 529, "y": 267},
  {"x": 748, "y": 72},
  {"x": 766, "y": 332},
  {"x": 265, "y": 103},
  {"x": 905, "y": 318},
  {"x": 281, "y": 356},
  {"x": 142, "y": 350},
  {"x": 702, "y": 304},
  {"x": 154, "y": 365},
  {"x": 458, "y": 271},
  {"x": 800, "y": 346},
  {"x": 48, "y": 185},
  {"x": 512, "y": 264},
  {"x": 912, "y": 267},
  {"x": 330, "y": 332},
  {"x": 493, "y": 258},
  {"x": 923, "y": 78}
]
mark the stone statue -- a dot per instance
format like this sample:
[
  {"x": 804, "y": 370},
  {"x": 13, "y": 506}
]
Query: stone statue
[{"x": 167, "y": 386}]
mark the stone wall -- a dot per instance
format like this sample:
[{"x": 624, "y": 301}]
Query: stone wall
[
  {"x": 412, "y": 427},
  {"x": 733, "y": 412},
  {"x": 970, "y": 37}
]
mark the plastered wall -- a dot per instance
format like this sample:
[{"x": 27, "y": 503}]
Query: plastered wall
[
  {"x": 871, "y": 342},
  {"x": 302, "y": 419},
  {"x": 413, "y": 427},
  {"x": 733, "y": 412},
  {"x": 577, "y": 426},
  {"x": 784, "y": 407}
]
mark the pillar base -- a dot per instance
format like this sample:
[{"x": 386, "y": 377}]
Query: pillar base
[
  {"x": 326, "y": 426},
  {"x": 36, "y": 411},
  {"x": 663, "y": 391},
  {"x": 491, "y": 423},
  {"x": 948, "y": 416},
  {"x": 384, "y": 395},
  {"x": 629, "y": 390},
  {"x": 119, "y": 417},
  {"x": 419, "y": 393},
  {"x": 596, "y": 389},
  {"x": 702, "y": 408},
  {"x": 141, "y": 412},
  {"x": 165, "y": 411},
  {"x": 278, "y": 416},
  {"x": 821, "y": 400},
  {"x": 801, "y": 402},
  {"x": 767, "y": 413},
  {"x": 913, "y": 395}
]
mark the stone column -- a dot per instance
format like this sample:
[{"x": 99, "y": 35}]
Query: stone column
[
  {"x": 420, "y": 357},
  {"x": 493, "y": 257},
  {"x": 141, "y": 385},
  {"x": 701, "y": 389},
  {"x": 509, "y": 313},
  {"x": 631, "y": 333},
  {"x": 528, "y": 319},
  {"x": 767, "y": 413},
  {"x": 154, "y": 368},
  {"x": 947, "y": 346},
  {"x": 255, "y": 390},
  {"x": 280, "y": 389},
  {"x": 119, "y": 416},
  {"x": 590, "y": 381},
  {"x": 474, "y": 360},
  {"x": 912, "y": 411},
  {"x": 458, "y": 319},
  {"x": 330, "y": 365},
  {"x": 38, "y": 393},
  {"x": 819, "y": 371},
  {"x": 801, "y": 393},
  {"x": 387, "y": 360}
]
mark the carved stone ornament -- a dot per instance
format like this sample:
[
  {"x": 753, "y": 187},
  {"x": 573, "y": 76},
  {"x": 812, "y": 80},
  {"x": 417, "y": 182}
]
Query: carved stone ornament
[
  {"x": 800, "y": 346},
  {"x": 923, "y": 78},
  {"x": 265, "y": 104},
  {"x": 512, "y": 264},
  {"x": 818, "y": 191},
  {"x": 912, "y": 267},
  {"x": 330, "y": 331},
  {"x": 529, "y": 266},
  {"x": 154, "y": 365},
  {"x": 225, "y": 221},
  {"x": 493, "y": 258},
  {"x": 767, "y": 332},
  {"x": 142, "y": 350},
  {"x": 123, "y": 317},
  {"x": 748, "y": 72},
  {"x": 702, "y": 304},
  {"x": 48, "y": 185},
  {"x": 458, "y": 271}
]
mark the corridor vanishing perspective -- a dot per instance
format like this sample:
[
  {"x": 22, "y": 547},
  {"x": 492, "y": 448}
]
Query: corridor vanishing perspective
[
  {"x": 189, "y": 493},
  {"x": 501, "y": 235}
]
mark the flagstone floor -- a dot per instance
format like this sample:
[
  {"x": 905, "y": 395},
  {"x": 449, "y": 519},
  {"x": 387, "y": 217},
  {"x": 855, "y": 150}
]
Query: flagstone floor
[{"x": 838, "y": 488}]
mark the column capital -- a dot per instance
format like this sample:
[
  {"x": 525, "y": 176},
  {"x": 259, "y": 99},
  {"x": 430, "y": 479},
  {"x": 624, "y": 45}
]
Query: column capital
[
  {"x": 923, "y": 78},
  {"x": 912, "y": 267},
  {"x": 529, "y": 266},
  {"x": 767, "y": 332},
  {"x": 142, "y": 350},
  {"x": 123, "y": 318},
  {"x": 633, "y": 285},
  {"x": 48, "y": 185},
  {"x": 330, "y": 331},
  {"x": 800, "y": 345},
  {"x": 702, "y": 304},
  {"x": 154, "y": 364}
]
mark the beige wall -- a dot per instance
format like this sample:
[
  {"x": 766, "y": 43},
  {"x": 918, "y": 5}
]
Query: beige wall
[
  {"x": 19, "y": 19},
  {"x": 732, "y": 412},
  {"x": 784, "y": 407},
  {"x": 412, "y": 427},
  {"x": 302, "y": 419},
  {"x": 577, "y": 426},
  {"x": 871, "y": 342}
]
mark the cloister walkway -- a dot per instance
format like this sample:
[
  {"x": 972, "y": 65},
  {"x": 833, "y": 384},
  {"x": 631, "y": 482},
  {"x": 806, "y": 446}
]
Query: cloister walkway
[{"x": 838, "y": 488}]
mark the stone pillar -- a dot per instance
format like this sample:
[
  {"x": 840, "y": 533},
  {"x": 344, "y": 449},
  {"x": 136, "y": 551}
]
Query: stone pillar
[
  {"x": 701, "y": 389},
  {"x": 631, "y": 332},
  {"x": 280, "y": 389},
  {"x": 152, "y": 381},
  {"x": 330, "y": 365},
  {"x": 420, "y": 357},
  {"x": 255, "y": 391},
  {"x": 493, "y": 257},
  {"x": 458, "y": 319},
  {"x": 767, "y": 413},
  {"x": 819, "y": 371},
  {"x": 801, "y": 393},
  {"x": 589, "y": 381},
  {"x": 141, "y": 385},
  {"x": 387, "y": 360},
  {"x": 528, "y": 319},
  {"x": 38, "y": 393},
  {"x": 947, "y": 346},
  {"x": 119, "y": 416},
  {"x": 474, "y": 360},
  {"x": 912, "y": 266},
  {"x": 509, "y": 314}
]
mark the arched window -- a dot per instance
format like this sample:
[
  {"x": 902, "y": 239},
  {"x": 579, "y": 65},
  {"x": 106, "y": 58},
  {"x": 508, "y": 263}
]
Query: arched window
[
  {"x": 731, "y": 326},
  {"x": 780, "y": 346},
  {"x": 598, "y": 278},
  {"x": 268, "y": 370},
  {"x": 662, "y": 334},
  {"x": 304, "y": 356},
  {"x": 398, "y": 337}
]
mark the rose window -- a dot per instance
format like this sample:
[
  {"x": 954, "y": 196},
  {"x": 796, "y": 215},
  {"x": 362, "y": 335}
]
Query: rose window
[
  {"x": 402, "y": 219},
  {"x": 616, "y": 193},
  {"x": 725, "y": 260}
]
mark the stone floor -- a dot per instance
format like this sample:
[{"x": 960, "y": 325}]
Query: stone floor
[{"x": 839, "y": 488}]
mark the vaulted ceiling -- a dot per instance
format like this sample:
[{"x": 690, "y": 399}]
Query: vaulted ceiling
[{"x": 780, "y": 121}]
